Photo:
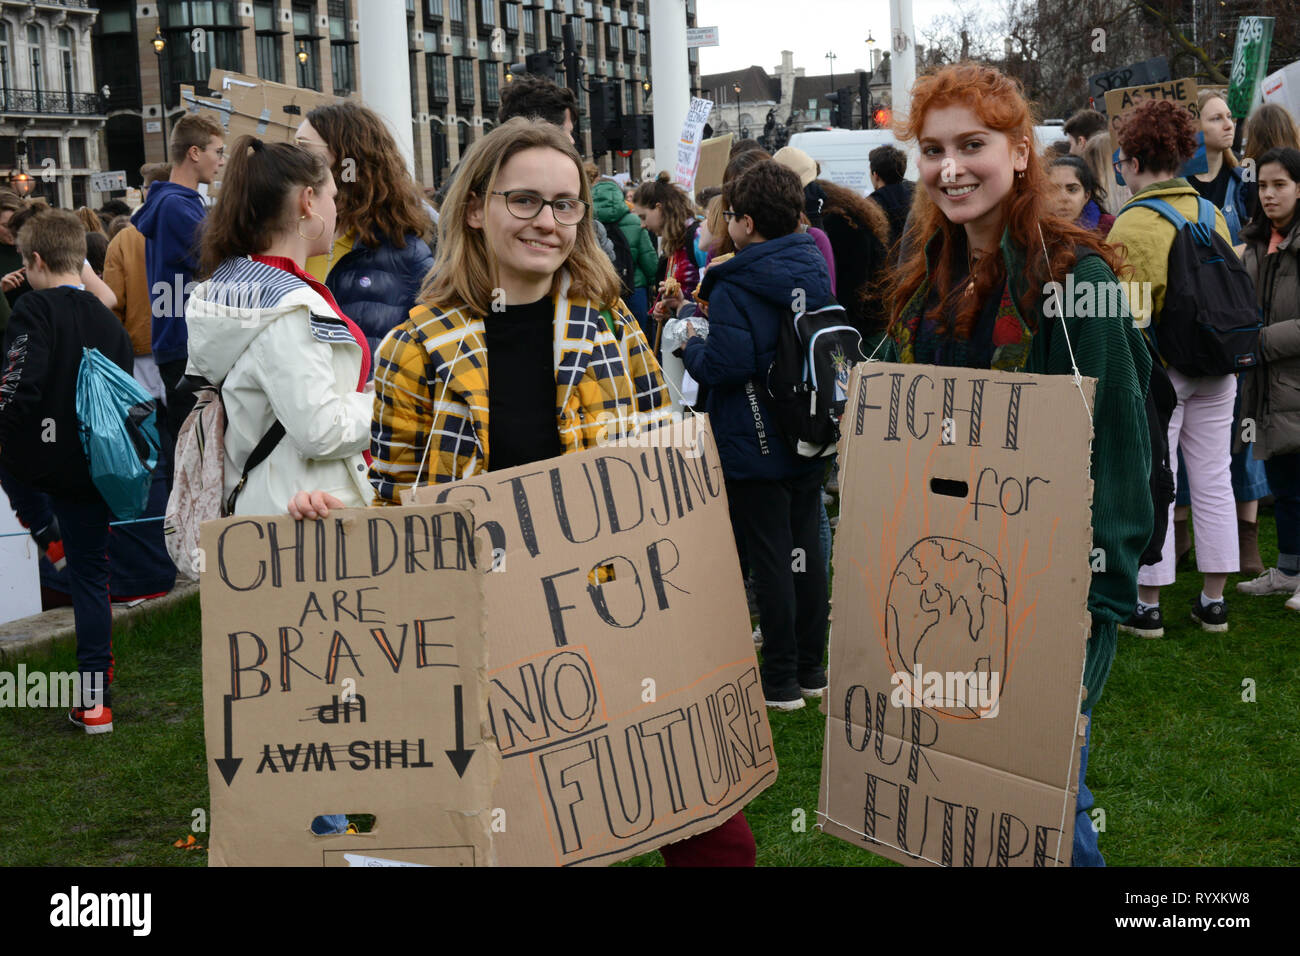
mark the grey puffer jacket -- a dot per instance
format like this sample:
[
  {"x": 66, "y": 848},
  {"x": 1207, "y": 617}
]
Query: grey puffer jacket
[{"x": 1271, "y": 394}]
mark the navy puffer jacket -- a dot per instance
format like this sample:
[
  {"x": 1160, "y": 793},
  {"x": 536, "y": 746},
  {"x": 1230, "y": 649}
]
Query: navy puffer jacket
[
  {"x": 749, "y": 297},
  {"x": 377, "y": 288}
]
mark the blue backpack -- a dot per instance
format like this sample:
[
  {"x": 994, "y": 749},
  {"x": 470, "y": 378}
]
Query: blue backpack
[{"x": 119, "y": 433}]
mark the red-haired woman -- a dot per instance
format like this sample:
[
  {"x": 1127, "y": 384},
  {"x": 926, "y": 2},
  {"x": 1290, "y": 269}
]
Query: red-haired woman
[{"x": 972, "y": 293}]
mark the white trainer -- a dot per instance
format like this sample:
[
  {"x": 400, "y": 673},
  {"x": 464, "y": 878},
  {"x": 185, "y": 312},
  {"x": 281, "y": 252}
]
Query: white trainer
[{"x": 1271, "y": 581}]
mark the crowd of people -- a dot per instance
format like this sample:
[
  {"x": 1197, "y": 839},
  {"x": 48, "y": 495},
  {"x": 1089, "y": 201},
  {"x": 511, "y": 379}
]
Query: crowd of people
[{"x": 393, "y": 341}]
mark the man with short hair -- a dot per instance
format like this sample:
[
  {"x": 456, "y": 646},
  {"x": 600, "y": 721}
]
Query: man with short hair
[
  {"x": 1081, "y": 127},
  {"x": 891, "y": 191},
  {"x": 170, "y": 219},
  {"x": 537, "y": 97}
]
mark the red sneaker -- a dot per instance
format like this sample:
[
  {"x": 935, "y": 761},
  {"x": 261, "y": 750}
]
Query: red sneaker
[{"x": 92, "y": 723}]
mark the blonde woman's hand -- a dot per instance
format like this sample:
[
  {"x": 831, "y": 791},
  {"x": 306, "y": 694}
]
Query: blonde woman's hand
[{"x": 312, "y": 504}]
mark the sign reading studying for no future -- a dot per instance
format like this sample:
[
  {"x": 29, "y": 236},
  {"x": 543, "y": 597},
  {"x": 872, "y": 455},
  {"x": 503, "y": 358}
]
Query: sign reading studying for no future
[
  {"x": 959, "y": 616},
  {"x": 344, "y": 672},
  {"x": 623, "y": 688}
]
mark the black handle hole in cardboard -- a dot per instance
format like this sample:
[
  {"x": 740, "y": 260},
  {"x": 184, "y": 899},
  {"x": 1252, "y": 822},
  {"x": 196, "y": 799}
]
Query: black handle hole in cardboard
[
  {"x": 601, "y": 574},
  {"x": 950, "y": 487}
]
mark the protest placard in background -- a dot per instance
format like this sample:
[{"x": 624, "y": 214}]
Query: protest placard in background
[
  {"x": 344, "y": 672},
  {"x": 959, "y": 616},
  {"x": 688, "y": 146},
  {"x": 624, "y": 692},
  {"x": 1249, "y": 63},
  {"x": 1143, "y": 73},
  {"x": 1120, "y": 102},
  {"x": 714, "y": 154},
  {"x": 1283, "y": 88}
]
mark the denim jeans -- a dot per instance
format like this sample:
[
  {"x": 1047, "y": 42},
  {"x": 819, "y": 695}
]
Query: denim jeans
[
  {"x": 1284, "y": 479},
  {"x": 330, "y": 823},
  {"x": 1085, "y": 837},
  {"x": 84, "y": 522}
]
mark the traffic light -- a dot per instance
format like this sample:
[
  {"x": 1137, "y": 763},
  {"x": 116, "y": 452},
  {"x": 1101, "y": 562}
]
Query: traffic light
[
  {"x": 841, "y": 107},
  {"x": 638, "y": 132},
  {"x": 539, "y": 64},
  {"x": 606, "y": 110}
]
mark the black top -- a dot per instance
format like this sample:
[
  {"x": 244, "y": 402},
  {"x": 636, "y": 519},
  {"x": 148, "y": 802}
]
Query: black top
[
  {"x": 1216, "y": 190},
  {"x": 522, "y": 420},
  {"x": 39, "y": 435}
]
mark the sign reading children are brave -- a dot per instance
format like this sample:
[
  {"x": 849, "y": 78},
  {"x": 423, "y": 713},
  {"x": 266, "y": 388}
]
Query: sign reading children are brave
[
  {"x": 344, "y": 672},
  {"x": 960, "y": 619},
  {"x": 624, "y": 692}
]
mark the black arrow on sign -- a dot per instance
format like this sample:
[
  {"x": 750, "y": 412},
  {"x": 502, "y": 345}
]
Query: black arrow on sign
[
  {"x": 230, "y": 763},
  {"x": 460, "y": 756}
]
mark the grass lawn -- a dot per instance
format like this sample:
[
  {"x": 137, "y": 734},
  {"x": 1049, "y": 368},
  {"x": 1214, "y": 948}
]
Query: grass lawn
[{"x": 1187, "y": 773}]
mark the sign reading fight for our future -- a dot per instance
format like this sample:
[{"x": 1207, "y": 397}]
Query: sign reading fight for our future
[
  {"x": 344, "y": 672},
  {"x": 960, "y": 620},
  {"x": 624, "y": 692}
]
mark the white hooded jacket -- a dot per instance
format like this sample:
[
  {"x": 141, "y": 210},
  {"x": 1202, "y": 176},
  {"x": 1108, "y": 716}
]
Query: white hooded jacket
[{"x": 279, "y": 351}]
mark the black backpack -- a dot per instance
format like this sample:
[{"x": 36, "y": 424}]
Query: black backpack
[
  {"x": 1210, "y": 323},
  {"x": 808, "y": 380},
  {"x": 624, "y": 264}
]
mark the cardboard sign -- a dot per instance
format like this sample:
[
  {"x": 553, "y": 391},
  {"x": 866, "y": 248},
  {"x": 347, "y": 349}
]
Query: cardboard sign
[
  {"x": 344, "y": 672},
  {"x": 1120, "y": 102},
  {"x": 624, "y": 690},
  {"x": 714, "y": 154},
  {"x": 688, "y": 146},
  {"x": 959, "y": 616},
  {"x": 250, "y": 105},
  {"x": 1144, "y": 73},
  {"x": 1249, "y": 63}
]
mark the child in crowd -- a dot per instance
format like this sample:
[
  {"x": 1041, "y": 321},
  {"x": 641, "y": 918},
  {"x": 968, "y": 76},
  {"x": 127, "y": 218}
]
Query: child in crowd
[{"x": 40, "y": 437}]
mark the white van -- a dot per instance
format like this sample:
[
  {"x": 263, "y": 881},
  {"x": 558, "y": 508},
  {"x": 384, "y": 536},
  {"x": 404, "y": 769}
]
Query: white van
[{"x": 843, "y": 154}]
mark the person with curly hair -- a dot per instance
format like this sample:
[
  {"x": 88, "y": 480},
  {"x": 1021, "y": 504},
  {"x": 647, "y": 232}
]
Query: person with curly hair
[
  {"x": 1079, "y": 197},
  {"x": 1155, "y": 142},
  {"x": 380, "y": 252},
  {"x": 973, "y": 290}
]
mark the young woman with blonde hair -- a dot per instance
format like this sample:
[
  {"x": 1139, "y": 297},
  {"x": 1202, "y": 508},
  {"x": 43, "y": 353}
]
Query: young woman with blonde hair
[{"x": 519, "y": 351}]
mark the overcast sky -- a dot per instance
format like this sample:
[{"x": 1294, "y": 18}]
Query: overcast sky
[{"x": 750, "y": 33}]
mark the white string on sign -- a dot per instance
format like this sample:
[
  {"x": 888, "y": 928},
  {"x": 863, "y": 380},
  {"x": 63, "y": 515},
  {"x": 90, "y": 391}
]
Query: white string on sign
[{"x": 1060, "y": 311}]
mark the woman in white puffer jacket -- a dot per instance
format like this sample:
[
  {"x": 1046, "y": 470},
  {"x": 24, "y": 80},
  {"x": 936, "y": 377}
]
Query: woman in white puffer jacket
[{"x": 274, "y": 337}]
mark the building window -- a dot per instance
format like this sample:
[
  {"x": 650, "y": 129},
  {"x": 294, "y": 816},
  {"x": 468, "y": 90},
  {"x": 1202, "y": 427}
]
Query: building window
[
  {"x": 222, "y": 51},
  {"x": 462, "y": 138},
  {"x": 554, "y": 26},
  {"x": 6, "y": 52},
  {"x": 41, "y": 148},
  {"x": 269, "y": 65},
  {"x": 530, "y": 28},
  {"x": 306, "y": 41},
  {"x": 491, "y": 86},
  {"x": 511, "y": 17},
  {"x": 440, "y": 153},
  {"x": 80, "y": 191},
  {"x": 487, "y": 13},
  {"x": 413, "y": 74},
  {"x": 629, "y": 96},
  {"x": 435, "y": 65},
  {"x": 465, "y": 81},
  {"x": 68, "y": 60},
  {"x": 591, "y": 37},
  {"x": 77, "y": 152},
  {"x": 341, "y": 62},
  {"x": 34, "y": 46},
  {"x": 611, "y": 38},
  {"x": 433, "y": 9},
  {"x": 457, "y": 17}
]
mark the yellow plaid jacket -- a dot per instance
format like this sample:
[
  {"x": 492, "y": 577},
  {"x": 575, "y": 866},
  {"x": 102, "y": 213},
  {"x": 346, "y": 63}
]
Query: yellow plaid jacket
[{"x": 431, "y": 391}]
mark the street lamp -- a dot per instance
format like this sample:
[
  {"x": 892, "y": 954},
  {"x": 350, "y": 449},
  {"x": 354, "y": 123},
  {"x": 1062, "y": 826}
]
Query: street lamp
[
  {"x": 736, "y": 87},
  {"x": 302, "y": 53},
  {"x": 20, "y": 182},
  {"x": 159, "y": 44},
  {"x": 832, "y": 57}
]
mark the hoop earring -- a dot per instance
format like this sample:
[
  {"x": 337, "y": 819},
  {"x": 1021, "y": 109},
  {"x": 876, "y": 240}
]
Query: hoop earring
[
  {"x": 319, "y": 232},
  {"x": 1020, "y": 174}
]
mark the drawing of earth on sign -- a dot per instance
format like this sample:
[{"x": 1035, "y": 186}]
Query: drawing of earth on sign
[{"x": 946, "y": 627}]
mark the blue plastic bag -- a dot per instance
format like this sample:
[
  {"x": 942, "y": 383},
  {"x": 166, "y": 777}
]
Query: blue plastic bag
[{"x": 119, "y": 432}]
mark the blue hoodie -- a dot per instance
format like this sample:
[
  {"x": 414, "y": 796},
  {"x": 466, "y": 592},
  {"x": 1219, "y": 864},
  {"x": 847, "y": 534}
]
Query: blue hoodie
[
  {"x": 749, "y": 297},
  {"x": 170, "y": 219}
]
